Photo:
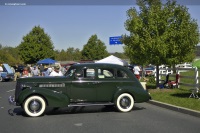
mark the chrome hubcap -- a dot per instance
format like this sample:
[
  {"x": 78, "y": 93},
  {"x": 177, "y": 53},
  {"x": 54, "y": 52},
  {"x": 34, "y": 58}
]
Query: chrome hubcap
[
  {"x": 125, "y": 102},
  {"x": 34, "y": 106}
]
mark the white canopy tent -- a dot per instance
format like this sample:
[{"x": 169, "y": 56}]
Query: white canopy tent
[{"x": 113, "y": 60}]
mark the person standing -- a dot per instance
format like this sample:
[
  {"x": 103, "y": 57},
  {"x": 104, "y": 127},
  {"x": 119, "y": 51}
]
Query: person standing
[
  {"x": 56, "y": 72},
  {"x": 35, "y": 72},
  {"x": 137, "y": 70},
  {"x": 50, "y": 69},
  {"x": 46, "y": 71},
  {"x": 17, "y": 72},
  {"x": 41, "y": 67},
  {"x": 25, "y": 72}
]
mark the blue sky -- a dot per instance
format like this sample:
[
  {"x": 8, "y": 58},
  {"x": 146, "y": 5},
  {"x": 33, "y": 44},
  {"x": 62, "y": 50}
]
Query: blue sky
[{"x": 68, "y": 25}]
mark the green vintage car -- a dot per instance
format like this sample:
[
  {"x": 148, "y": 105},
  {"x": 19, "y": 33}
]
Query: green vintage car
[{"x": 83, "y": 85}]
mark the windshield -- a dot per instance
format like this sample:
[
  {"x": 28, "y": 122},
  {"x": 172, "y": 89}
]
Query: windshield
[{"x": 70, "y": 72}]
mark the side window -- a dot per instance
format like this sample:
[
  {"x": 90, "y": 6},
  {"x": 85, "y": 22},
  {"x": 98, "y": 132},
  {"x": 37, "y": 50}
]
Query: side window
[
  {"x": 105, "y": 73},
  {"x": 86, "y": 73},
  {"x": 121, "y": 74},
  {"x": 90, "y": 73}
]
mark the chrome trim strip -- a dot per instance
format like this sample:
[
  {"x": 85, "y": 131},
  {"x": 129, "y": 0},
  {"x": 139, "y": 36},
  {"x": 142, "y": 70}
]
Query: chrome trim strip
[{"x": 89, "y": 104}]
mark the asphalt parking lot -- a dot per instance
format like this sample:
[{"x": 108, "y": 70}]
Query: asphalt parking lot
[{"x": 144, "y": 117}]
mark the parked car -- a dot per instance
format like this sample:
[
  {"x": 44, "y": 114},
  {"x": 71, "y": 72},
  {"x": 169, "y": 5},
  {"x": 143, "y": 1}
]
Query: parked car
[
  {"x": 7, "y": 73},
  {"x": 183, "y": 66},
  {"x": 84, "y": 84},
  {"x": 150, "y": 70}
]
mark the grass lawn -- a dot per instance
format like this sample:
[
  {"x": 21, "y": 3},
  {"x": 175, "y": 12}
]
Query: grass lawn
[
  {"x": 177, "y": 96},
  {"x": 196, "y": 63}
]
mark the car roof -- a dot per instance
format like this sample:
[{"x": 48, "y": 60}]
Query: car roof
[{"x": 107, "y": 65}]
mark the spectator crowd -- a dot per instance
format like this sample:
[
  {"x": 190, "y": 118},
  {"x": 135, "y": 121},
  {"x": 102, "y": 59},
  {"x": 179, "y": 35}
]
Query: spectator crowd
[{"x": 40, "y": 70}]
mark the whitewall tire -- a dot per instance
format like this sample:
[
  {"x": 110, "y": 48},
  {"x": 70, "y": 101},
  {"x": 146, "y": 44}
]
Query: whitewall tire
[
  {"x": 125, "y": 102},
  {"x": 34, "y": 106}
]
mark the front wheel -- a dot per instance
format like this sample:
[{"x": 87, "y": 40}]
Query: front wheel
[
  {"x": 34, "y": 106},
  {"x": 125, "y": 102}
]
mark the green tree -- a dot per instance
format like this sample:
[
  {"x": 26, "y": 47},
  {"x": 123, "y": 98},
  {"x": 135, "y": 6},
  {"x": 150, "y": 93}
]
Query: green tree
[
  {"x": 1, "y": 46},
  {"x": 36, "y": 45},
  {"x": 62, "y": 55},
  {"x": 160, "y": 33},
  {"x": 95, "y": 49},
  {"x": 9, "y": 55},
  {"x": 120, "y": 55},
  {"x": 73, "y": 54}
]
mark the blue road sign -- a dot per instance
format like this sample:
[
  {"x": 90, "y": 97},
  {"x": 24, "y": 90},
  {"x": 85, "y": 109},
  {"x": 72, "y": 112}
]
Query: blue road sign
[{"x": 115, "y": 40}]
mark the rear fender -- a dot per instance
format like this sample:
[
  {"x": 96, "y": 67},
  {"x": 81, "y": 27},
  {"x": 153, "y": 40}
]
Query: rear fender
[{"x": 120, "y": 91}]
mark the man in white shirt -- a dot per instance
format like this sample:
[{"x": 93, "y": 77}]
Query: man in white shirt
[
  {"x": 137, "y": 70},
  {"x": 35, "y": 71},
  {"x": 56, "y": 72}
]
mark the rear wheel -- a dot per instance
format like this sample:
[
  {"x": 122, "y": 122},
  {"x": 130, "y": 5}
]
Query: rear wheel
[
  {"x": 34, "y": 106},
  {"x": 125, "y": 102}
]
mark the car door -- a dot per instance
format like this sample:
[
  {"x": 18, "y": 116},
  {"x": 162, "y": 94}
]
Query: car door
[
  {"x": 106, "y": 84},
  {"x": 83, "y": 86}
]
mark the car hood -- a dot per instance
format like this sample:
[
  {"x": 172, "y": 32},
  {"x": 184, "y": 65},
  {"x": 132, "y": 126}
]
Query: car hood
[{"x": 8, "y": 69}]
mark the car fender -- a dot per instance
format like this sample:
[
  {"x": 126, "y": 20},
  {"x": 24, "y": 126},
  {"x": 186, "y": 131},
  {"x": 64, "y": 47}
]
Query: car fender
[
  {"x": 121, "y": 90},
  {"x": 138, "y": 93},
  {"x": 52, "y": 97}
]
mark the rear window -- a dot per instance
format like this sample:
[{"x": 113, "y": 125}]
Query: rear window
[
  {"x": 121, "y": 74},
  {"x": 105, "y": 73}
]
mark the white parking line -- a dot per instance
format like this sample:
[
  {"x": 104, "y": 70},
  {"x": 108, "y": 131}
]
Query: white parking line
[
  {"x": 10, "y": 90},
  {"x": 78, "y": 124}
]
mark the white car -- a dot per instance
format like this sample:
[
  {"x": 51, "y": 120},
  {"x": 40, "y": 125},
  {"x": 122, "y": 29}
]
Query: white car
[
  {"x": 182, "y": 66},
  {"x": 185, "y": 65}
]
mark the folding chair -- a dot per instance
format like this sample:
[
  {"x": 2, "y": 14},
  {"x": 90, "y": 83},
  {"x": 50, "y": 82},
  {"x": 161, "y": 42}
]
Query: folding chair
[{"x": 194, "y": 93}]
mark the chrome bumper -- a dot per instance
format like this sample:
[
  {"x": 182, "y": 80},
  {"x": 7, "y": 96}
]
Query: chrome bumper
[{"x": 11, "y": 100}]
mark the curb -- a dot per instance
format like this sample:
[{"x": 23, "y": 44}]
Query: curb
[{"x": 175, "y": 108}]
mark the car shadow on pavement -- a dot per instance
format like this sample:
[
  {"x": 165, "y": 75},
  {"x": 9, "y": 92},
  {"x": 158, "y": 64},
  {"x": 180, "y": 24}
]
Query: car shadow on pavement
[
  {"x": 72, "y": 110},
  {"x": 137, "y": 108},
  {"x": 88, "y": 109},
  {"x": 16, "y": 111},
  {"x": 77, "y": 110}
]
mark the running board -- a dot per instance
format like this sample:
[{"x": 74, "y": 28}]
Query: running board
[{"x": 88, "y": 104}]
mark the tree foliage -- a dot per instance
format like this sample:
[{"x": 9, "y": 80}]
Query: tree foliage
[
  {"x": 95, "y": 49},
  {"x": 120, "y": 55},
  {"x": 160, "y": 33},
  {"x": 71, "y": 54},
  {"x": 9, "y": 55},
  {"x": 36, "y": 45}
]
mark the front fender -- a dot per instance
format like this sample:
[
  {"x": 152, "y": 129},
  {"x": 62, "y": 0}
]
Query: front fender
[{"x": 52, "y": 97}]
